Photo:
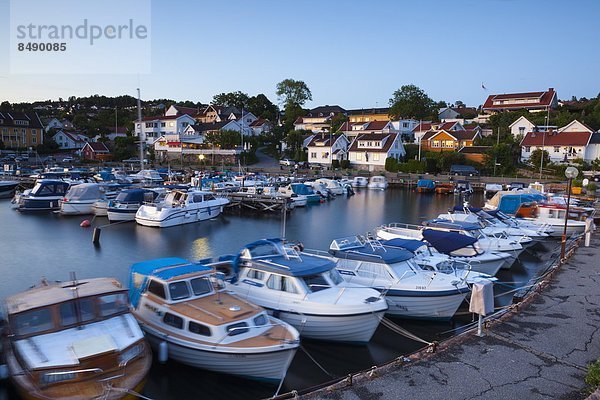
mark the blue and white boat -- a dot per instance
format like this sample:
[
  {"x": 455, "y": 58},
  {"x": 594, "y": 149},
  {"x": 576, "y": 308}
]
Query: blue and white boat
[
  {"x": 126, "y": 204},
  {"x": 7, "y": 189},
  {"x": 302, "y": 190},
  {"x": 46, "y": 195},
  {"x": 410, "y": 291},
  {"x": 306, "y": 291},
  {"x": 189, "y": 317}
]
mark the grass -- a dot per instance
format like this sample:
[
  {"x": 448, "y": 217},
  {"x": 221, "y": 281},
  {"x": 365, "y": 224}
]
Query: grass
[{"x": 592, "y": 379}]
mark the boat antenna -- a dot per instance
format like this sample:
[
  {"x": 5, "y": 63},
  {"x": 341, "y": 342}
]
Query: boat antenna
[{"x": 141, "y": 136}]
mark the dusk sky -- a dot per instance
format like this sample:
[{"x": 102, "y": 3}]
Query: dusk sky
[{"x": 351, "y": 53}]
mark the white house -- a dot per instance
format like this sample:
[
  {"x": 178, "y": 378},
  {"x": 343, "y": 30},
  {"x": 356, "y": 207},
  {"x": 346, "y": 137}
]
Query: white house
[
  {"x": 521, "y": 126},
  {"x": 354, "y": 129},
  {"x": 53, "y": 123},
  {"x": 318, "y": 119},
  {"x": 405, "y": 128},
  {"x": 175, "y": 110},
  {"x": 566, "y": 144},
  {"x": 260, "y": 126},
  {"x": 369, "y": 151},
  {"x": 70, "y": 140},
  {"x": 155, "y": 127},
  {"x": 324, "y": 148},
  {"x": 464, "y": 115}
]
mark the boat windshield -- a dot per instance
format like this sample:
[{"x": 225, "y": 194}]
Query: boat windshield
[
  {"x": 201, "y": 286},
  {"x": 316, "y": 283},
  {"x": 34, "y": 321},
  {"x": 179, "y": 290},
  {"x": 111, "y": 304}
]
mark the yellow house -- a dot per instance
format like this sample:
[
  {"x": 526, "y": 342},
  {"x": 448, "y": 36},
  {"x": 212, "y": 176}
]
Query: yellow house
[
  {"x": 444, "y": 140},
  {"x": 369, "y": 114},
  {"x": 21, "y": 129}
]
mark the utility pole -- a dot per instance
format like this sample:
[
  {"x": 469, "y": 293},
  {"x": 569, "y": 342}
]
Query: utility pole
[
  {"x": 420, "y": 127},
  {"x": 544, "y": 142},
  {"x": 496, "y": 152},
  {"x": 142, "y": 136}
]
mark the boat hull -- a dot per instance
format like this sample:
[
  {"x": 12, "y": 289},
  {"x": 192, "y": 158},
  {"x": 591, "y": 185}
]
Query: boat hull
[
  {"x": 26, "y": 204},
  {"x": 179, "y": 217},
  {"x": 423, "y": 306},
  {"x": 77, "y": 207},
  {"x": 269, "y": 366},
  {"x": 119, "y": 215}
]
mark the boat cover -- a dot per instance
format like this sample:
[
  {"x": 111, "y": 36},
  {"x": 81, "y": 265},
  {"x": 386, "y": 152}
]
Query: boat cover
[
  {"x": 134, "y": 195},
  {"x": 447, "y": 242},
  {"x": 389, "y": 255},
  {"x": 471, "y": 209},
  {"x": 162, "y": 268},
  {"x": 510, "y": 203},
  {"x": 407, "y": 244},
  {"x": 426, "y": 184},
  {"x": 84, "y": 191},
  {"x": 447, "y": 224}
]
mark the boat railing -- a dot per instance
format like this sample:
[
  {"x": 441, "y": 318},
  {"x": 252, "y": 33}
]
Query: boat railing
[
  {"x": 401, "y": 225},
  {"x": 290, "y": 252},
  {"x": 375, "y": 244},
  {"x": 74, "y": 372},
  {"x": 318, "y": 253}
]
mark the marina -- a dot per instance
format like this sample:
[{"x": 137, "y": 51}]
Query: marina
[{"x": 314, "y": 226}]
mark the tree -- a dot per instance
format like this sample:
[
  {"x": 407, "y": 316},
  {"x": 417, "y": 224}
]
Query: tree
[
  {"x": 294, "y": 141},
  {"x": 337, "y": 121},
  {"x": 227, "y": 139},
  {"x": 232, "y": 99},
  {"x": 5, "y": 106},
  {"x": 459, "y": 103},
  {"x": 262, "y": 107},
  {"x": 536, "y": 158},
  {"x": 292, "y": 93},
  {"x": 411, "y": 102}
]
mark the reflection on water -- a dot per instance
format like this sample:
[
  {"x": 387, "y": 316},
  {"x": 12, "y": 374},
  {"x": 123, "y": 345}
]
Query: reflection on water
[{"x": 51, "y": 245}]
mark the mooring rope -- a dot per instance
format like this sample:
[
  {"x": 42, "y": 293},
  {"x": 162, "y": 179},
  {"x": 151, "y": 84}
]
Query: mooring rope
[
  {"x": 401, "y": 331},
  {"x": 316, "y": 362}
]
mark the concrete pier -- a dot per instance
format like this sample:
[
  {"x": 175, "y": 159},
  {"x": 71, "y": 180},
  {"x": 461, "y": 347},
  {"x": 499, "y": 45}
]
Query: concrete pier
[{"x": 540, "y": 351}]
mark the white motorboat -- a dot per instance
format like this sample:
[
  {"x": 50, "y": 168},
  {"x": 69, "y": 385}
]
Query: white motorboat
[
  {"x": 360, "y": 182},
  {"x": 80, "y": 199},
  {"x": 491, "y": 189},
  {"x": 333, "y": 186},
  {"x": 45, "y": 196},
  {"x": 147, "y": 176},
  {"x": 463, "y": 267},
  {"x": 181, "y": 207},
  {"x": 481, "y": 259},
  {"x": 463, "y": 188},
  {"x": 187, "y": 314},
  {"x": 410, "y": 291},
  {"x": 320, "y": 189},
  {"x": 306, "y": 291},
  {"x": 378, "y": 182},
  {"x": 125, "y": 206},
  {"x": 553, "y": 216},
  {"x": 301, "y": 190},
  {"x": 297, "y": 200}
]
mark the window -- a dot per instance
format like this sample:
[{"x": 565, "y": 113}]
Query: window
[
  {"x": 163, "y": 124},
  {"x": 260, "y": 320},
  {"x": 33, "y": 139},
  {"x": 527, "y": 149},
  {"x": 282, "y": 283},
  {"x": 171, "y": 124},
  {"x": 199, "y": 329},
  {"x": 32, "y": 321},
  {"x": 34, "y": 132},
  {"x": 156, "y": 289},
  {"x": 173, "y": 320},
  {"x": 112, "y": 304},
  {"x": 405, "y": 124},
  {"x": 70, "y": 310},
  {"x": 237, "y": 329},
  {"x": 255, "y": 274},
  {"x": 313, "y": 155},
  {"x": 376, "y": 157},
  {"x": 334, "y": 276},
  {"x": 179, "y": 290},
  {"x": 358, "y": 156},
  {"x": 557, "y": 149},
  {"x": 316, "y": 283},
  {"x": 435, "y": 143},
  {"x": 201, "y": 286},
  {"x": 521, "y": 130},
  {"x": 325, "y": 155}
]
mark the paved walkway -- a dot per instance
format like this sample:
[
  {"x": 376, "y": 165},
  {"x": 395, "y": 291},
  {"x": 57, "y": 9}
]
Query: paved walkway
[{"x": 540, "y": 353}]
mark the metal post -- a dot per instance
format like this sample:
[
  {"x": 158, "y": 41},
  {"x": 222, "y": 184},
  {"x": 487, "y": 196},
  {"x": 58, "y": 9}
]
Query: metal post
[
  {"x": 284, "y": 219},
  {"x": 142, "y": 136},
  {"x": 480, "y": 326},
  {"x": 564, "y": 236}
]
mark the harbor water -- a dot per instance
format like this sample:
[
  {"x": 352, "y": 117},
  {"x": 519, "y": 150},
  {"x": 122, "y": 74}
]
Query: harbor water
[{"x": 51, "y": 246}]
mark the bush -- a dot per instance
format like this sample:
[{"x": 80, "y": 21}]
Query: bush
[
  {"x": 593, "y": 376},
  {"x": 345, "y": 164},
  {"x": 335, "y": 164},
  {"x": 391, "y": 164},
  {"x": 412, "y": 166}
]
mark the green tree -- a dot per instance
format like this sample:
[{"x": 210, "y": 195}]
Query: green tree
[
  {"x": 411, "y": 102},
  {"x": 124, "y": 147},
  {"x": 227, "y": 139},
  {"x": 292, "y": 93},
  {"x": 536, "y": 158},
  {"x": 337, "y": 121},
  {"x": 505, "y": 157},
  {"x": 232, "y": 99},
  {"x": 294, "y": 141},
  {"x": 391, "y": 164},
  {"x": 262, "y": 107}
]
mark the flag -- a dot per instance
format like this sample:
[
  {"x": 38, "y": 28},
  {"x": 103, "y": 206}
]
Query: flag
[{"x": 483, "y": 87}]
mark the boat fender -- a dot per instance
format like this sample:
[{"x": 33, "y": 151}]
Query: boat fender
[
  {"x": 163, "y": 352},
  {"x": 85, "y": 223},
  {"x": 3, "y": 372}
]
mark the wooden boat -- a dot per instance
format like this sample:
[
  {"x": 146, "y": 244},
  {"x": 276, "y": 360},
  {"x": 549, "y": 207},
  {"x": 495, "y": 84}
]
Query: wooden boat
[
  {"x": 444, "y": 188},
  {"x": 75, "y": 340},
  {"x": 189, "y": 317}
]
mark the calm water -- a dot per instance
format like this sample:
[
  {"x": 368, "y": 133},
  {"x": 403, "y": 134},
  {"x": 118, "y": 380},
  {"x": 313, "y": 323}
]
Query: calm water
[{"x": 50, "y": 245}]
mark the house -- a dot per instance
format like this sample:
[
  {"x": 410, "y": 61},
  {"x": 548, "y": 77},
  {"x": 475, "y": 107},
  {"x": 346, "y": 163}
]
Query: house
[
  {"x": 475, "y": 153},
  {"x": 21, "y": 129},
  {"x": 260, "y": 126},
  {"x": 95, "y": 151},
  {"x": 521, "y": 126},
  {"x": 425, "y": 126},
  {"x": 323, "y": 148},
  {"x": 464, "y": 115},
  {"x": 532, "y": 101},
  {"x": 112, "y": 135},
  {"x": 353, "y": 129},
  {"x": 566, "y": 144},
  {"x": 53, "y": 123},
  {"x": 369, "y": 151},
  {"x": 368, "y": 114},
  {"x": 305, "y": 141},
  {"x": 449, "y": 140},
  {"x": 318, "y": 119},
  {"x": 157, "y": 126},
  {"x": 176, "y": 110},
  {"x": 70, "y": 140},
  {"x": 405, "y": 127}
]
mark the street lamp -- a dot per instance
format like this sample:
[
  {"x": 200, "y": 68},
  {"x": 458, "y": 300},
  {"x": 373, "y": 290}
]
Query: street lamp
[{"x": 571, "y": 173}]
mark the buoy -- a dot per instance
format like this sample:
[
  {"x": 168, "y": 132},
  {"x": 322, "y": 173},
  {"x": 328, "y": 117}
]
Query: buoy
[
  {"x": 85, "y": 223},
  {"x": 163, "y": 352}
]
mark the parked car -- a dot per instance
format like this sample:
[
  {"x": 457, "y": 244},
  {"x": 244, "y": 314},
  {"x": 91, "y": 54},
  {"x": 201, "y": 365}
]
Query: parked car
[
  {"x": 67, "y": 160},
  {"x": 287, "y": 162},
  {"x": 465, "y": 170}
]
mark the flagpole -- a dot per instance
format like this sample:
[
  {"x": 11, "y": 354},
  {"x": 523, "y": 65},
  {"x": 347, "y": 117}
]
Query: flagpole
[{"x": 420, "y": 137}]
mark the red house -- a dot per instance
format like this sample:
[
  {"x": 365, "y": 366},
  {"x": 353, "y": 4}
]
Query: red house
[{"x": 95, "y": 151}]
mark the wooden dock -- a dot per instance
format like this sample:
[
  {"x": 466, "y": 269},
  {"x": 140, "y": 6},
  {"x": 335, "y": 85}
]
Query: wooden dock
[{"x": 258, "y": 202}]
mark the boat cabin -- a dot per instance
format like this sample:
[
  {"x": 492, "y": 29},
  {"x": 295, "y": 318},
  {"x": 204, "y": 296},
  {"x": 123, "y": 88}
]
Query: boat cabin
[
  {"x": 178, "y": 198},
  {"x": 49, "y": 188}
]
